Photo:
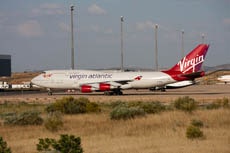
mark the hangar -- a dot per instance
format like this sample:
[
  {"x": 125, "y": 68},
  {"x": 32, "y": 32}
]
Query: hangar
[{"x": 5, "y": 65}]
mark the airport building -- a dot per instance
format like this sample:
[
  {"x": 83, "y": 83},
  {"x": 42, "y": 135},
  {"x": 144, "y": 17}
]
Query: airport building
[{"x": 5, "y": 65}]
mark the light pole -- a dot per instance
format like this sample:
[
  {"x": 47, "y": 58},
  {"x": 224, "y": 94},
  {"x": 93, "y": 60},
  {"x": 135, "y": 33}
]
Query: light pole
[
  {"x": 72, "y": 38},
  {"x": 182, "y": 43},
  {"x": 156, "y": 48},
  {"x": 122, "y": 48}
]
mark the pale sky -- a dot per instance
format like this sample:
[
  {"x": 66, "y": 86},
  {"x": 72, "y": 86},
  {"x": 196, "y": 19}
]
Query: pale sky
[{"x": 36, "y": 33}]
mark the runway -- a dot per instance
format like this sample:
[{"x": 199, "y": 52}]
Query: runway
[{"x": 201, "y": 93}]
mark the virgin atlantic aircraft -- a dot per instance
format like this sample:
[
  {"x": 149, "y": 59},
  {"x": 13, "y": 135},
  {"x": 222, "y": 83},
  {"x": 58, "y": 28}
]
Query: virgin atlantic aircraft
[{"x": 112, "y": 83}]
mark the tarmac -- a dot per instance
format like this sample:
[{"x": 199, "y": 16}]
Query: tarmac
[{"x": 201, "y": 93}]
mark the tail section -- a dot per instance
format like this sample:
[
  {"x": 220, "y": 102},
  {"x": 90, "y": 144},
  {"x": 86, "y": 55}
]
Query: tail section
[{"x": 190, "y": 66}]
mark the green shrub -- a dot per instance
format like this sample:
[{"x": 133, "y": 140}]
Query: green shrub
[
  {"x": 53, "y": 122},
  {"x": 149, "y": 107},
  {"x": 218, "y": 103},
  {"x": 152, "y": 107},
  {"x": 185, "y": 103},
  {"x": 26, "y": 118},
  {"x": 193, "y": 132},
  {"x": 65, "y": 105},
  {"x": 3, "y": 146},
  {"x": 92, "y": 107},
  {"x": 83, "y": 100},
  {"x": 45, "y": 145},
  {"x": 124, "y": 112},
  {"x": 225, "y": 102},
  {"x": 66, "y": 144},
  {"x": 117, "y": 103},
  {"x": 213, "y": 105},
  {"x": 133, "y": 103},
  {"x": 75, "y": 107},
  {"x": 197, "y": 123},
  {"x": 69, "y": 105}
]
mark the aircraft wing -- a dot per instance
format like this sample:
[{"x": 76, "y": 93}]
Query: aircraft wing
[
  {"x": 121, "y": 82},
  {"x": 106, "y": 85},
  {"x": 115, "y": 83}
]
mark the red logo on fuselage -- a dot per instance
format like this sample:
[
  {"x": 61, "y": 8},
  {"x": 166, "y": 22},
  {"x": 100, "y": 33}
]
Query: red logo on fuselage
[{"x": 138, "y": 78}]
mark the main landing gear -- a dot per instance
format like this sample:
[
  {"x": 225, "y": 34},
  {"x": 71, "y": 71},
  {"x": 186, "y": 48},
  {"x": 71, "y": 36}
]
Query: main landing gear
[
  {"x": 50, "y": 93},
  {"x": 114, "y": 92},
  {"x": 162, "y": 89}
]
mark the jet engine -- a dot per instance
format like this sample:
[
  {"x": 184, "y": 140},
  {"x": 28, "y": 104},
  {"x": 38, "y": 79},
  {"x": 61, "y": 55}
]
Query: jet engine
[
  {"x": 86, "y": 88},
  {"x": 104, "y": 87},
  {"x": 96, "y": 87}
]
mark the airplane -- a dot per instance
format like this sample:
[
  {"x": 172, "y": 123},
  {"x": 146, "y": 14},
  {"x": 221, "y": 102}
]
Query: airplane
[
  {"x": 224, "y": 78},
  {"x": 112, "y": 83}
]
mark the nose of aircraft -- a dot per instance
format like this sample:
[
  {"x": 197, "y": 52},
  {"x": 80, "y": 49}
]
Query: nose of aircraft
[{"x": 35, "y": 80}]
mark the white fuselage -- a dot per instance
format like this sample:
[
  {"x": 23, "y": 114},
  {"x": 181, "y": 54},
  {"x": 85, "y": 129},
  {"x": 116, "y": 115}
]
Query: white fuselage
[
  {"x": 113, "y": 82},
  {"x": 76, "y": 79}
]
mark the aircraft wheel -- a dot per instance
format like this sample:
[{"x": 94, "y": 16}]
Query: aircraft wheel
[
  {"x": 50, "y": 93},
  {"x": 106, "y": 93},
  {"x": 118, "y": 92}
]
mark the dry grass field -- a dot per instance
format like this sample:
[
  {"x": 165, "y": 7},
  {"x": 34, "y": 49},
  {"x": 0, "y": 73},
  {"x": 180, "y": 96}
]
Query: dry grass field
[{"x": 159, "y": 133}]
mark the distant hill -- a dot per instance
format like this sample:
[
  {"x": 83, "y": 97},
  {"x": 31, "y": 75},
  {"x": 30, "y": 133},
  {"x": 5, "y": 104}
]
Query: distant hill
[{"x": 218, "y": 67}]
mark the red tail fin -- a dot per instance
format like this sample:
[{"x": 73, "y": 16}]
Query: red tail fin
[{"x": 191, "y": 63}]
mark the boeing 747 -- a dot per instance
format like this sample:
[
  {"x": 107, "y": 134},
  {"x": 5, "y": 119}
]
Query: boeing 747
[{"x": 112, "y": 83}]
